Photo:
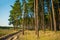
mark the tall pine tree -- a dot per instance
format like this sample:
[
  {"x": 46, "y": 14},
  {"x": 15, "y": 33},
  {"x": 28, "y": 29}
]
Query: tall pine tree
[{"x": 15, "y": 14}]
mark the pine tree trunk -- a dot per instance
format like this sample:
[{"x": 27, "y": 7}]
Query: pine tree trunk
[
  {"x": 59, "y": 18},
  {"x": 14, "y": 27},
  {"x": 50, "y": 16},
  {"x": 54, "y": 20},
  {"x": 23, "y": 30},
  {"x": 58, "y": 15},
  {"x": 36, "y": 17},
  {"x": 42, "y": 15}
]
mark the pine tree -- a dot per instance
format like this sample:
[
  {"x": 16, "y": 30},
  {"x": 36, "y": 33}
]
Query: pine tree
[
  {"x": 31, "y": 12},
  {"x": 25, "y": 13},
  {"x": 54, "y": 20},
  {"x": 15, "y": 14},
  {"x": 36, "y": 16}
]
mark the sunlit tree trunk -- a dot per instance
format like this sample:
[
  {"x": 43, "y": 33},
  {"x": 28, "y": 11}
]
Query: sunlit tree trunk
[
  {"x": 34, "y": 14},
  {"x": 54, "y": 20},
  {"x": 36, "y": 17}
]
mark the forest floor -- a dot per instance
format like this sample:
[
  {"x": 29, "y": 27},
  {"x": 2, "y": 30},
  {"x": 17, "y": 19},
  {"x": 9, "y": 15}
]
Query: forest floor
[{"x": 47, "y": 35}]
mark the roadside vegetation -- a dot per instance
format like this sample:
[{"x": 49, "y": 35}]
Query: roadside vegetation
[
  {"x": 7, "y": 30},
  {"x": 48, "y": 35}
]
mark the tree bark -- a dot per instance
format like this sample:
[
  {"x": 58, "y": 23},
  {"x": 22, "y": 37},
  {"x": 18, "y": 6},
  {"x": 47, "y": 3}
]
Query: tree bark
[
  {"x": 36, "y": 17},
  {"x": 54, "y": 20},
  {"x": 42, "y": 15}
]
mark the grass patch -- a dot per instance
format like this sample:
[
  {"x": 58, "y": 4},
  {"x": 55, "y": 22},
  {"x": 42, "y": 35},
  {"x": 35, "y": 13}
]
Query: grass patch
[
  {"x": 48, "y": 35},
  {"x": 6, "y": 31}
]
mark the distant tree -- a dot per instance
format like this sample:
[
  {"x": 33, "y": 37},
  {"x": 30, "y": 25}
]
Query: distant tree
[
  {"x": 15, "y": 14},
  {"x": 25, "y": 13},
  {"x": 31, "y": 12},
  {"x": 50, "y": 14},
  {"x": 41, "y": 12},
  {"x": 57, "y": 14}
]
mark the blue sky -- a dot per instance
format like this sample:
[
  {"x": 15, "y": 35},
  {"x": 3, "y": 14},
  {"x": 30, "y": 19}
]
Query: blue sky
[{"x": 5, "y": 11}]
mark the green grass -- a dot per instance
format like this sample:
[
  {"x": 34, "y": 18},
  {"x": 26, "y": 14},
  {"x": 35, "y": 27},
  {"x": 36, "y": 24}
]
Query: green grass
[
  {"x": 6, "y": 31},
  {"x": 48, "y": 35}
]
